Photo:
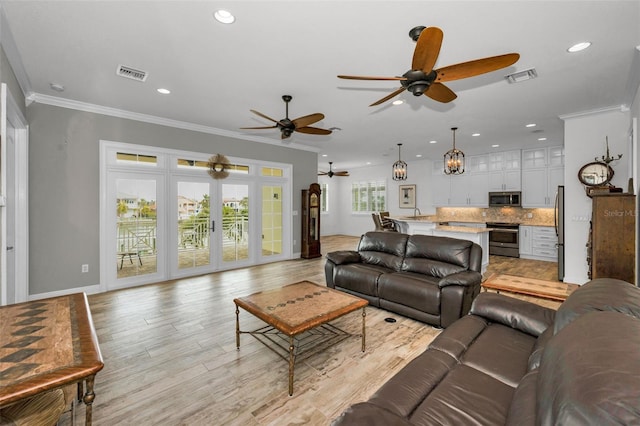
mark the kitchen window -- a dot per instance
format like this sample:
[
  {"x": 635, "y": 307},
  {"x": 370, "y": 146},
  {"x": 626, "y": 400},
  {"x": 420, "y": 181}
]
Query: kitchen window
[{"x": 367, "y": 197}]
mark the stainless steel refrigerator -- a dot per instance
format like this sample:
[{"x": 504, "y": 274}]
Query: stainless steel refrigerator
[{"x": 558, "y": 216}]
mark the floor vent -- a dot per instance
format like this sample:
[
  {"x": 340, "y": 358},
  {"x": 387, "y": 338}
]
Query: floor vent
[{"x": 132, "y": 73}]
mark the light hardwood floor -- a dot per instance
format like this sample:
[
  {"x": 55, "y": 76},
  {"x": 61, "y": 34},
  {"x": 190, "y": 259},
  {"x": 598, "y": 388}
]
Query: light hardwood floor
[{"x": 171, "y": 358}]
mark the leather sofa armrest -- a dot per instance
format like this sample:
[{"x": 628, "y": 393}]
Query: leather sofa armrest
[
  {"x": 515, "y": 313},
  {"x": 343, "y": 257},
  {"x": 464, "y": 278}
]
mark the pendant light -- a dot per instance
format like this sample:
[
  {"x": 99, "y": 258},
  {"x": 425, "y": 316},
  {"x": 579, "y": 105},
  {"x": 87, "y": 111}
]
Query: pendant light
[
  {"x": 399, "y": 168},
  {"x": 454, "y": 158}
]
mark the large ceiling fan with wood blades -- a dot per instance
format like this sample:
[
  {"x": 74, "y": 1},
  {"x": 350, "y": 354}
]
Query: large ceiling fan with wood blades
[
  {"x": 422, "y": 79},
  {"x": 331, "y": 173},
  {"x": 288, "y": 126}
]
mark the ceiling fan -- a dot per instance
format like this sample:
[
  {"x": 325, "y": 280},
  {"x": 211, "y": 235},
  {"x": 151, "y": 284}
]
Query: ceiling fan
[
  {"x": 423, "y": 79},
  {"x": 331, "y": 173},
  {"x": 288, "y": 126}
]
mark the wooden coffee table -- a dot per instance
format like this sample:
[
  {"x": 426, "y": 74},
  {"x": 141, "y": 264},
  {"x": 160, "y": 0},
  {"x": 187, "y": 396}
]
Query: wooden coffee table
[{"x": 292, "y": 311}]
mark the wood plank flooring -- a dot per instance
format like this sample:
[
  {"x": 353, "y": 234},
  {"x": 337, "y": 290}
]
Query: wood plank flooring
[{"x": 171, "y": 358}]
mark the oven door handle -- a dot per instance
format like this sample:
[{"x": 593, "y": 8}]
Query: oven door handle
[{"x": 513, "y": 231}]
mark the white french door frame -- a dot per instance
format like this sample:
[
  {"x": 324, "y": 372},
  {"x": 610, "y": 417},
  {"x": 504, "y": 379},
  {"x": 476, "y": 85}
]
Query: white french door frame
[
  {"x": 175, "y": 271},
  {"x": 168, "y": 168}
]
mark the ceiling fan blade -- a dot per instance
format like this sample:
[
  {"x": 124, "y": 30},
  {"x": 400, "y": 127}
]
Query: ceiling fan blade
[
  {"x": 427, "y": 49},
  {"x": 263, "y": 127},
  {"x": 307, "y": 119},
  {"x": 341, "y": 173},
  {"x": 360, "y": 77},
  {"x": 313, "y": 130},
  {"x": 441, "y": 93},
  {"x": 323, "y": 173},
  {"x": 262, "y": 115},
  {"x": 476, "y": 67},
  {"x": 389, "y": 96}
]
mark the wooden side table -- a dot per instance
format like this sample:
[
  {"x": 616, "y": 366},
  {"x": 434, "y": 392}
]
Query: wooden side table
[{"x": 48, "y": 344}]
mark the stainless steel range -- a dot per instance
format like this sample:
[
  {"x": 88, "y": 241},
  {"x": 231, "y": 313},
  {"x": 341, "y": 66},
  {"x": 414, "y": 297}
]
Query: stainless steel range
[{"x": 503, "y": 239}]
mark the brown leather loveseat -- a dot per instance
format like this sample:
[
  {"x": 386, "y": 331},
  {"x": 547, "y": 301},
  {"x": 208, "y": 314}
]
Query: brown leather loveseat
[
  {"x": 511, "y": 362},
  {"x": 430, "y": 279}
]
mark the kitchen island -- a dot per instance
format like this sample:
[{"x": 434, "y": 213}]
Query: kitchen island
[{"x": 425, "y": 226}]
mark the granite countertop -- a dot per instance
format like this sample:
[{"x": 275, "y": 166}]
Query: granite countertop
[
  {"x": 462, "y": 229},
  {"x": 435, "y": 219}
]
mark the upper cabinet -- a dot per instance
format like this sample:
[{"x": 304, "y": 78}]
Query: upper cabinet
[
  {"x": 504, "y": 171},
  {"x": 542, "y": 172},
  {"x": 466, "y": 190}
]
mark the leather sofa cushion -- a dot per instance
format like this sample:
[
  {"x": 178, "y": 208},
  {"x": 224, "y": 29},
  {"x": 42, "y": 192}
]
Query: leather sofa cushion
[
  {"x": 409, "y": 289},
  {"x": 383, "y": 248},
  {"x": 441, "y": 249},
  {"x": 359, "y": 277},
  {"x": 343, "y": 256},
  {"x": 522, "y": 411},
  {"x": 590, "y": 372},
  {"x": 602, "y": 294}
]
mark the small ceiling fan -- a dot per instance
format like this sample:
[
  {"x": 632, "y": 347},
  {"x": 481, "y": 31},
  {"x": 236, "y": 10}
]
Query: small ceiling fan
[
  {"x": 331, "y": 173},
  {"x": 288, "y": 126},
  {"x": 423, "y": 79}
]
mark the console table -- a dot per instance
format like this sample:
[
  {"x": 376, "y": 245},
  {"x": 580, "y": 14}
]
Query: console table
[{"x": 48, "y": 344}]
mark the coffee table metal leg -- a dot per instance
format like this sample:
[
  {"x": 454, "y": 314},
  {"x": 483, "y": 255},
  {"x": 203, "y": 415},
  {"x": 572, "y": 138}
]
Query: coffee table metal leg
[
  {"x": 237, "y": 327},
  {"x": 364, "y": 315},
  {"x": 291, "y": 364}
]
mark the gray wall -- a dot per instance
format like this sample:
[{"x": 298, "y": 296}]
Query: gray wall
[
  {"x": 64, "y": 184},
  {"x": 7, "y": 76}
]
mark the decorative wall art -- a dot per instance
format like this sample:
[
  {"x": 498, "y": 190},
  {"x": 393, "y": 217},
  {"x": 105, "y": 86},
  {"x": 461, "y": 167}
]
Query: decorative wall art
[{"x": 407, "y": 196}]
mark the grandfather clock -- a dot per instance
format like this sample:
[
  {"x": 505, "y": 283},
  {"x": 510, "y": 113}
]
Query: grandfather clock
[{"x": 311, "y": 222}]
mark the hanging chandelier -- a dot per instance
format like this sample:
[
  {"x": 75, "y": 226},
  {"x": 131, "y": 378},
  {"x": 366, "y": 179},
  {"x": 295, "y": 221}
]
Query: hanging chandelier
[
  {"x": 399, "y": 170},
  {"x": 454, "y": 158}
]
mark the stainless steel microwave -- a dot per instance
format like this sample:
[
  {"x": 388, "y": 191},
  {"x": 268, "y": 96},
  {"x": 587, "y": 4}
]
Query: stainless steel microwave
[{"x": 505, "y": 199}]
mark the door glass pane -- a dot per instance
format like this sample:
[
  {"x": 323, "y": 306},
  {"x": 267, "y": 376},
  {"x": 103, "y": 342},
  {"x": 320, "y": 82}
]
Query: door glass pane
[
  {"x": 194, "y": 247},
  {"x": 235, "y": 222},
  {"x": 136, "y": 227},
  {"x": 271, "y": 220}
]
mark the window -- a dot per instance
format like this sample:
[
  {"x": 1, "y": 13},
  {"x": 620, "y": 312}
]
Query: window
[
  {"x": 368, "y": 196},
  {"x": 324, "y": 197}
]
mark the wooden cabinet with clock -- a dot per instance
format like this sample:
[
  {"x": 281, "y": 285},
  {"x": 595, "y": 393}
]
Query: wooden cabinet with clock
[
  {"x": 311, "y": 222},
  {"x": 611, "y": 246}
]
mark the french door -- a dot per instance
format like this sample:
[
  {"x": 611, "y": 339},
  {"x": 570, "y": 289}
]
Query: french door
[
  {"x": 164, "y": 217},
  {"x": 193, "y": 237}
]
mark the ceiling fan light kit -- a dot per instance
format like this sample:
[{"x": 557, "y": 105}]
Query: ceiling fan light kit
[
  {"x": 399, "y": 168},
  {"x": 288, "y": 126},
  {"x": 454, "y": 158},
  {"x": 423, "y": 79}
]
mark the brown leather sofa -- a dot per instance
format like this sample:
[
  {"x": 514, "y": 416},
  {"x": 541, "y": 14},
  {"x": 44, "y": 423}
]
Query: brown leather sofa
[
  {"x": 511, "y": 362},
  {"x": 430, "y": 279}
]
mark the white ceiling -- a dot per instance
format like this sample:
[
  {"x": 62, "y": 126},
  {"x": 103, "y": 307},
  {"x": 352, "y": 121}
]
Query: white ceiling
[{"x": 217, "y": 73}]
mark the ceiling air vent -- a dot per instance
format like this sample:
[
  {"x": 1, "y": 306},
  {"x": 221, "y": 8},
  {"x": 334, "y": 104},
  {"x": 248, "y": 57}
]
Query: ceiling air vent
[
  {"x": 521, "y": 76},
  {"x": 132, "y": 73}
]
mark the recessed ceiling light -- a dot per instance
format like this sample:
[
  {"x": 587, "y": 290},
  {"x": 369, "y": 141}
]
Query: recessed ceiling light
[
  {"x": 579, "y": 46},
  {"x": 495, "y": 145},
  {"x": 419, "y": 155},
  {"x": 368, "y": 163},
  {"x": 224, "y": 16},
  {"x": 476, "y": 134},
  {"x": 324, "y": 155},
  {"x": 164, "y": 91},
  {"x": 398, "y": 102},
  {"x": 531, "y": 125},
  {"x": 542, "y": 139},
  {"x": 433, "y": 141},
  {"x": 57, "y": 87}
]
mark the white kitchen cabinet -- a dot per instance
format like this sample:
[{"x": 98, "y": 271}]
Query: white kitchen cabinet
[
  {"x": 542, "y": 172},
  {"x": 466, "y": 190},
  {"x": 539, "y": 243},
  {"x": 504, "y": 171},
  {"x": 525, "y": 240}
]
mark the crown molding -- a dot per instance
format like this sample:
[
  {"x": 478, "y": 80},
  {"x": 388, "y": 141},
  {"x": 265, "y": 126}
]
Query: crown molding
[
  {"x": 152, "y": 119},
  {"x": 619, "y": 108}
]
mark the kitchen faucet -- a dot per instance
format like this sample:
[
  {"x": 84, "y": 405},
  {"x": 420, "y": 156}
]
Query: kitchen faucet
[{"x": 416, "y": 210}]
